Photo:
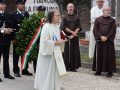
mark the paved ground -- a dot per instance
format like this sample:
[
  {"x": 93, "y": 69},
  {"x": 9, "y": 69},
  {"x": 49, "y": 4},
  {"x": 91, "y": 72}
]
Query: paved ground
[{"x": 81, "y": 80}]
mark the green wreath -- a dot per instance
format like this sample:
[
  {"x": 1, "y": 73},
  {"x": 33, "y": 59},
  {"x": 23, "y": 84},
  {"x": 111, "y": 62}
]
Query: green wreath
[{"x": 26, "y": 32}]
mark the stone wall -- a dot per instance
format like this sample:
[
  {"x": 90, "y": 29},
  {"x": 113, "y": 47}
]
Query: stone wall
[
  {"x": 85, "y": 18},
  {"x": 10, "y": 6}
]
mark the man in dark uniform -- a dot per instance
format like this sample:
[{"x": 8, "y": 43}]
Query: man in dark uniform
[
  {"x": 17, "y": 17},
  {"x": 41, "y": 9},
  {"x": 5, "y": 39}
]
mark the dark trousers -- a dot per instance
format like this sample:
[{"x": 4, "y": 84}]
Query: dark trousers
[
  {"x": 4, "y": 49},
  {"x": 34, "y": 65},
  {"x": 15, "y": 61}
]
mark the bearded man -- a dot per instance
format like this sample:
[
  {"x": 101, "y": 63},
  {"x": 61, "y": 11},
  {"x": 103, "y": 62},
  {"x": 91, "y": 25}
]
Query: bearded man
[
  {"x": 104, "y": 32},
  {"x": 70, "y": 24}
]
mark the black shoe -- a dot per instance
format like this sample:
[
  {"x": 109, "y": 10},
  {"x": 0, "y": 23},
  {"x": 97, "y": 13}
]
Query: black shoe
[
  {"x": 109, "y": 75},
  {"x": 97, "y": 73},
  {"x": 0, "y": 80},
  {"x": 68, "y": 69},
  {"x": 17, "y": 74},
  {"x": 26, "y": 73},
  {"x": 9, "y": 76},
  {"x": 73, "y": 70}
]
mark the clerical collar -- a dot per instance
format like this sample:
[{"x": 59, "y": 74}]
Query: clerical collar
[
  {"x": 20, "y": 11},
  {"x": 1, "y": 12}
]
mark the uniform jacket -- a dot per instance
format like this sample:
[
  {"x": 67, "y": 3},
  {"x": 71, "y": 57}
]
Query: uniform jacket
[
  {"x": 17, "y": 19},
  {"x": 5, "y": 39}
]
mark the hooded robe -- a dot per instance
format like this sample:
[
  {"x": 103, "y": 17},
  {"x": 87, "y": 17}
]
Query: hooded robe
[
  {"x": 104, "y": 56},
  {"x": 71, "y": 52}
]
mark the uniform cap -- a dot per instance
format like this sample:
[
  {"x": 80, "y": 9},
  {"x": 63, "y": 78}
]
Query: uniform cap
[
  {"x": 3, "y": 1},
  {"x": 42, "y": 8},
  {"x": 20, "y": 1}
]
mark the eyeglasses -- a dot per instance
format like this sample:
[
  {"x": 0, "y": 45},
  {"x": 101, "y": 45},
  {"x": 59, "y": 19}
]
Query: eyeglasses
[{"x": 57, "y": 15}]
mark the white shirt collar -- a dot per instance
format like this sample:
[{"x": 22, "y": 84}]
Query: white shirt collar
[
  {"x": 1, "y": 12},
  {"x": 20, "y": 11}
]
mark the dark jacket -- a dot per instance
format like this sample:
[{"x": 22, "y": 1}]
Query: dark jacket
[
  {"x": 5, "y": 39},
  {"x": 17, "y": 19}
]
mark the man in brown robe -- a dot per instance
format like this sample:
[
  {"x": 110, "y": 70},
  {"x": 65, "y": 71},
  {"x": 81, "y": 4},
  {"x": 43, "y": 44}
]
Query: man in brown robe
[
  {"x": 70, "y": 24},
  {"x": 104, "y": 32}
]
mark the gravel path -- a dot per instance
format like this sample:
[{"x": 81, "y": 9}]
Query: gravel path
[{"x": 81, "y": 80}]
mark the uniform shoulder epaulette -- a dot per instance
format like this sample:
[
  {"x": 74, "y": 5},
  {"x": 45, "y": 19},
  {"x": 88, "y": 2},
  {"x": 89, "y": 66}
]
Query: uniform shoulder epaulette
[{"x": 14, "y": 12}]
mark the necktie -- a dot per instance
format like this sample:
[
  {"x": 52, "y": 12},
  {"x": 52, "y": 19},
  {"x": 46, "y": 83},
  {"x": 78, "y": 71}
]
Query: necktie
[
  {"x": 2, "y": 14},
  {"x": 22, "y": 14}
]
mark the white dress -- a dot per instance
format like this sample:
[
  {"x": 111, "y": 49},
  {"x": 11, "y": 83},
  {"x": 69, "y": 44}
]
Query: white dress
[
  {"x": 95, "y": 12},
  {"x": 47, "y": 76}
]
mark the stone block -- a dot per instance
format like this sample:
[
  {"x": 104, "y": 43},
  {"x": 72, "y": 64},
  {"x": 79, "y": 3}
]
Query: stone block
[
  {"x": 117, "y": 40},
  {"x": 87, "y": 35},
  {"x": 118, "y": 30}
]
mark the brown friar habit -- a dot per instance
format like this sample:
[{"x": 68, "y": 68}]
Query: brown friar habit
[
  {"x": 104, "y": 56},
  {"x": 72, "y": 22}
]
